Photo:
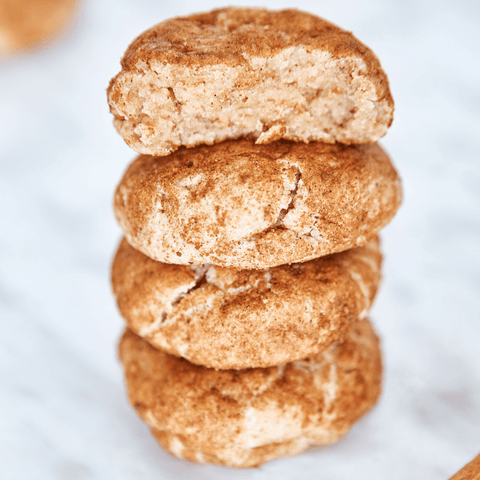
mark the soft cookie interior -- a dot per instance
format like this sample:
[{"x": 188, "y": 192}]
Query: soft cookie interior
[{"x": 248, "y": 73}]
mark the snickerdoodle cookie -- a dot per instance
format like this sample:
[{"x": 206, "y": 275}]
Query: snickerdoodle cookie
[
  {"x": 224, "y": 318},
  {"x": 243, "y": 418},
  {"x": 241, "y": 205},
  {"x": 248, "y": 72},
  {"x": 26, "y": 23}
]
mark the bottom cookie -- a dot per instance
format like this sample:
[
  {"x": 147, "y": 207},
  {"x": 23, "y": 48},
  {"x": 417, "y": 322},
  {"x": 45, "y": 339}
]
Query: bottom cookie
[{"x": 243, "y": 418}]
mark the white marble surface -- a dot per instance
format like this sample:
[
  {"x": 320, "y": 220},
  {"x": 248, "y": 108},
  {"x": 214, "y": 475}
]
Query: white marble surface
[{"x": 64, "y": 413}]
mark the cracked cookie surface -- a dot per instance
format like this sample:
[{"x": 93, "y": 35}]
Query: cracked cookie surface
[
  {"x": 248, "y": 72},
  {"x": 247, "y": 206},
  {"x": 243, "y": 418},
  {"x": 233, "y": 319}
]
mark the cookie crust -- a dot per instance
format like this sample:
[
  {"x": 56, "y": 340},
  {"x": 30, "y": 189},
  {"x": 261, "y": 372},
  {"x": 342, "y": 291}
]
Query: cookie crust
[
  {"x": 245, "y": 418},
  {"x": 247, "y": 206},
  {"x": 248, "y": 72},
  {"x": 228, "y": 319}
]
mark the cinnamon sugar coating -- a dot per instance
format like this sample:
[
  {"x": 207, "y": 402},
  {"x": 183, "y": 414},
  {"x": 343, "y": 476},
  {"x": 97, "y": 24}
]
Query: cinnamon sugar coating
[
  {"x": 248, "y": 417},
  {"x": 26, "y": 23},
  {"x": 248, "y": 72},
  {"x": 228, "y": 319},
  {"x": 247, "y": 206}
]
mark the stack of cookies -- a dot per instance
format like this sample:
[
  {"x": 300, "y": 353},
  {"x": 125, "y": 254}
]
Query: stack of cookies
[{"x": 251, "y": 256}]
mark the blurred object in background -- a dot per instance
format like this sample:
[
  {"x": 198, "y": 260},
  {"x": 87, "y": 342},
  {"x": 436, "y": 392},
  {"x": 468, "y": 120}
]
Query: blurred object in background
[
  {"x": 470, "y": 471},
  {"x": 28, "y": 23}
]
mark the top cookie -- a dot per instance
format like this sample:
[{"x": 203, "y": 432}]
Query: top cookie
[{"x": 248, "y": 72}]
